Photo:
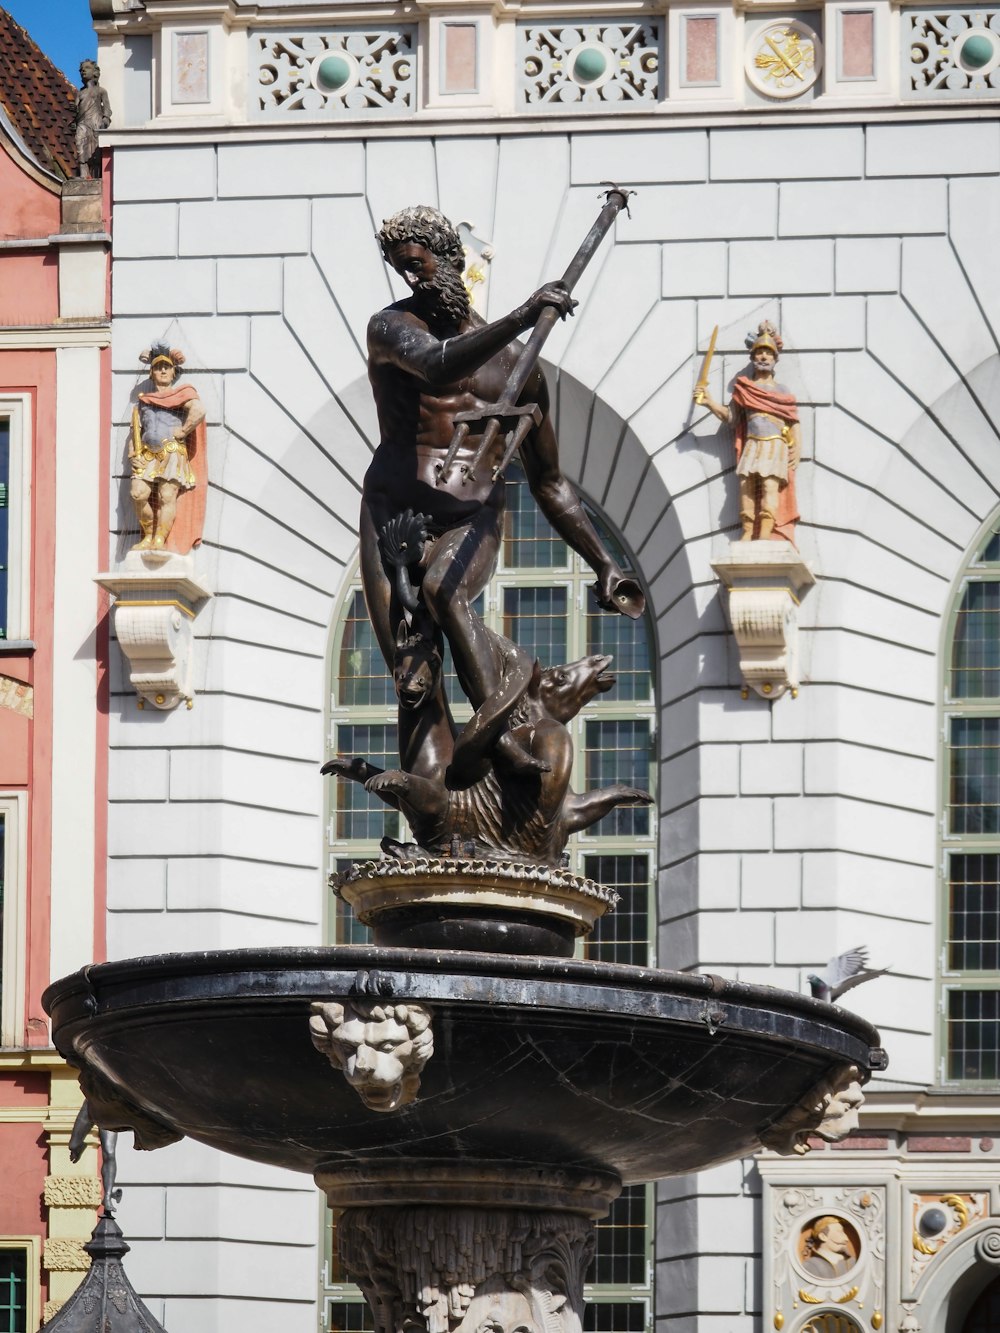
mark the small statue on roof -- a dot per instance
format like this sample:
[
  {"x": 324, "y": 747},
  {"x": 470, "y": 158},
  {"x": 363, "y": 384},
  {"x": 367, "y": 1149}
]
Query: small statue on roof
[{"x": 93, "y": 113}]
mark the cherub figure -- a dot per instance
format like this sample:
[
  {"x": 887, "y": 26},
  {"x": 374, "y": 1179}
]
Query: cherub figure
[{"x": 82, "y": 1126}]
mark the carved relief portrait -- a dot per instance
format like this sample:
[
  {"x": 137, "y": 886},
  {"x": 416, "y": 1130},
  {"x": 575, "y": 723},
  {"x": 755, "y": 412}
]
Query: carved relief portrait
[{"x": 828, "y": 1248}]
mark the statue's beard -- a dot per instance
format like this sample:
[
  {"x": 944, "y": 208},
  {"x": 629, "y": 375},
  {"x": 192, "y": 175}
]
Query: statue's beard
[{"x": 443, "y": 297}]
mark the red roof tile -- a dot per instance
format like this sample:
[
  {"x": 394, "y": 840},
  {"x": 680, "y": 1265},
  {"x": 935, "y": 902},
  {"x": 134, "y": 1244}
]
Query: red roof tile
[{"x": 38, "y": 99}]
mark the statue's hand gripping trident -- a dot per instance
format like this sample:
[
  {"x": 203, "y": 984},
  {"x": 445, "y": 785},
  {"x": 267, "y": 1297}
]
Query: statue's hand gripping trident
[{"x": 507, "y": 415}]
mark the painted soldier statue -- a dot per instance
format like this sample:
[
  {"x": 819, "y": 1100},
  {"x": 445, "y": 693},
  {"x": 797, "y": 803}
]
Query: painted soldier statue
[
  {"x": 765, "y": 420},
  {"x": 167, "y": 455}
]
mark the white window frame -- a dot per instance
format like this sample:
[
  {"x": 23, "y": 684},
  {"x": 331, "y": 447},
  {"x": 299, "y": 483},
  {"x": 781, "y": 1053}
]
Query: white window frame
[
  {"x": 16, "y": 410},
  {"x": 13, "y": 811}
]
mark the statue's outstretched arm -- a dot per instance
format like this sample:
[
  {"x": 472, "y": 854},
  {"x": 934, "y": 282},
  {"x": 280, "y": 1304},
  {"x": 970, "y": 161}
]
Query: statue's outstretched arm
[
  {"x": 561, "y": 505},
  {"x": 398, "y": 338}
]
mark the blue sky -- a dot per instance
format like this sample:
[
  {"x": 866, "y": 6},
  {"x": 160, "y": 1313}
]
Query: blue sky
[{"x": 62, "y": 28}]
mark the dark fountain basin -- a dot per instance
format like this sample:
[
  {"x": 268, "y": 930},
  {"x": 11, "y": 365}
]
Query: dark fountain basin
[{"x": 558, "y": 1062}]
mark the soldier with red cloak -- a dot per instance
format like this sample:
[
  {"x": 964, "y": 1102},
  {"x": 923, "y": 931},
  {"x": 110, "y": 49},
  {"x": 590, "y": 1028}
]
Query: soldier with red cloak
[
  {"x": 765, "y": 420},
  {"x": 167, "y": 454}
]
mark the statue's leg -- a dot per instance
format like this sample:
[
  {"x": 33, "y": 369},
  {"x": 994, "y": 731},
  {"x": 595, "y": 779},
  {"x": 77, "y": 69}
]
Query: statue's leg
[
  {"x": 461, "y": 564},
  {"x": 141, "y": 492},
  {"x": 748, "y": 506},
  {"x": 383, "y": 610},
  {"x": 425, "y": 734},
  {"x": 769, "y": 487},
  {"x": 166, "y": 510}
]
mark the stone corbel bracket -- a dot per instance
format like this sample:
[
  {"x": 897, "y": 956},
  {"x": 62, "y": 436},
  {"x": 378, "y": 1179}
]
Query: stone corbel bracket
[
  {"x": 157, "y": 600},
  {"x": 766, "y": 581}
]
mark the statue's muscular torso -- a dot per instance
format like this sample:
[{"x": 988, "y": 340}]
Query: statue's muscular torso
[{"x": 416, "y": 423}]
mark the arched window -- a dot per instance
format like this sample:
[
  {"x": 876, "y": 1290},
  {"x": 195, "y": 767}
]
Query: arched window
[
  {"x": 970, "y": 953},
  {"x": 541, "y": 599}
]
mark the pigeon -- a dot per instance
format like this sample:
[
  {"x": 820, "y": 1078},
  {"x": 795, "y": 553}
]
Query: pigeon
[{"x": 846, "y": 970}]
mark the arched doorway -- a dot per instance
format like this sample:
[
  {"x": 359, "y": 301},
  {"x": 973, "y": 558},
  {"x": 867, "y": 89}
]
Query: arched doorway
[{"x": 984, "y": 1317}]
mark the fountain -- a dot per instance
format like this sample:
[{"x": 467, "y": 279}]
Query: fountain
[{"x": 469, "y": 1094}]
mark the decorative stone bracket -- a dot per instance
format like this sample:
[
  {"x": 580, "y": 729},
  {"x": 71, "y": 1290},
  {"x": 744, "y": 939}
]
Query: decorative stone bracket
[
  {"x": 765, "y": 581},
  {"x": 154, "y": 614}
]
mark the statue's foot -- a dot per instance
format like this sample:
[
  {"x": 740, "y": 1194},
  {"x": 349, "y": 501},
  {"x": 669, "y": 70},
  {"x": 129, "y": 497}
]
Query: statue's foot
[{"x": 146, "y": 544}]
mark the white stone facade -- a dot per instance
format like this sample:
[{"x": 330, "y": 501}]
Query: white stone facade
[{"x": 789, "y": 830}]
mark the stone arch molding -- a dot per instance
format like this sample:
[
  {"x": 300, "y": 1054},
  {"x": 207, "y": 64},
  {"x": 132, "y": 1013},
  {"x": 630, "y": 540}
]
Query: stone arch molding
[
  {"x": 951, "y": 1283},
  {"x": 912, "y": 472}
]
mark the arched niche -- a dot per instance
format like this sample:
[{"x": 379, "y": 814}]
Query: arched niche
[{"x": 957, "y": 1277}]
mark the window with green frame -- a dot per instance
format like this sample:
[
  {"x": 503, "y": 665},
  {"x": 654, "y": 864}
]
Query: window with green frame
[
  {"x": 970, "y": 917},
  {"x": 14, "y": 1290},
  {"x": 542, "y": 599}
]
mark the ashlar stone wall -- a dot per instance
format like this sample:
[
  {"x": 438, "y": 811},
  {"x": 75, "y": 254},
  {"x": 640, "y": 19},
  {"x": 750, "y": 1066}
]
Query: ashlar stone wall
[{"x": 789, "y": 831}]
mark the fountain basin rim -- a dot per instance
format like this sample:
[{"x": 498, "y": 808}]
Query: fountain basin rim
[
  {"x": 552, "y": 1061},
  {"x": 289, "y": 974}
]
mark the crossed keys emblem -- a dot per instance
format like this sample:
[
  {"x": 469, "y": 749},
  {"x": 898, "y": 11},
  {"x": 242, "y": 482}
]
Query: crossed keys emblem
[{"x": 787, "y": 58}]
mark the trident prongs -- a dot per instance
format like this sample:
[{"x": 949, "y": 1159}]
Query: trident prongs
[
  {"x": 457, "y": 440},
  {"x": 483, "y": 448}
]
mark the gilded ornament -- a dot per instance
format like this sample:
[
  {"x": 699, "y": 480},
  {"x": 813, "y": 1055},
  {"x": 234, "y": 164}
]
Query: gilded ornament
[
  {"x": 808, "y": 1299},
  {"x": 960, "y": 1206},
  {"x": 922, "y": 1246},
  {"x": 779, "y": 1320},
  {"x": 848, "y": 1296},
  {"x": 784, "y": 59},
  {"x": 876, "y": 1319}
]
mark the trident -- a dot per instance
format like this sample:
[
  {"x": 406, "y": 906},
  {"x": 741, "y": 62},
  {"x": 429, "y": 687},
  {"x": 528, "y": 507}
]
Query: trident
[{"x": 514, "y": 420}]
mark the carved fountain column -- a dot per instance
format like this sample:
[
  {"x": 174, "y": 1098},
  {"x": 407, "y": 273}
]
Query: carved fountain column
[{"x": 504, "y": 1248}]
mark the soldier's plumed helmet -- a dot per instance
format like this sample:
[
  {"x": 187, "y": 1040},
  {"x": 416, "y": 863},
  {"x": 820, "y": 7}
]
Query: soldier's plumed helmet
[
  {"x": 424, "y": 226},
  {"x": 161, "y": 354},
  {"x": 767, "y": 336}
]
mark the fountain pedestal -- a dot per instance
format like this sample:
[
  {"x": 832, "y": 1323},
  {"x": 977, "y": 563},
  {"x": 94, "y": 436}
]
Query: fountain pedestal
[{"x": 449, "y": 1247}]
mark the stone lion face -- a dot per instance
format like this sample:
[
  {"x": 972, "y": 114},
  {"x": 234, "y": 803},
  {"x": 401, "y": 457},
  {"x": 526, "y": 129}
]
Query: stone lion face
[
  {"x": 380, "y": 1048},
  {"x": 840, "y": 1114}
]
